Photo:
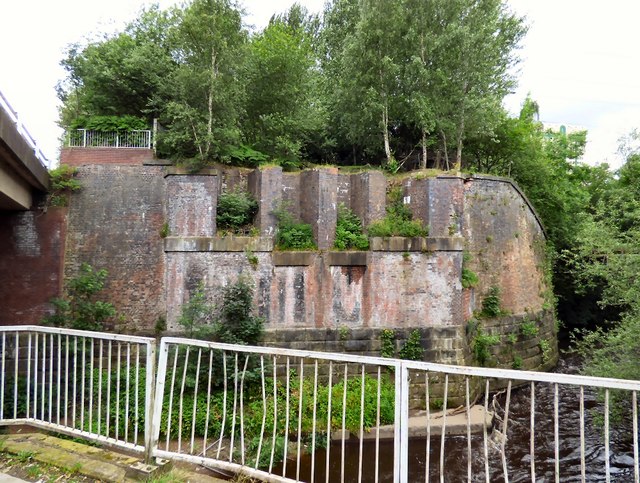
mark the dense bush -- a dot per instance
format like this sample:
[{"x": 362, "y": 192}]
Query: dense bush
[
  {"x": 349, "y": 231},
  {"x": 80, "y": 309},
  {"x": 63, "y": 181},
  {"x": 398, "y": 220},
  {"x": 292, "y": 235},
  {"x": 235, "y": 211}
]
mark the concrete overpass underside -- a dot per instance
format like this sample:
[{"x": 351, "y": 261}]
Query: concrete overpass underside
[{"x": 22, "y": 175}]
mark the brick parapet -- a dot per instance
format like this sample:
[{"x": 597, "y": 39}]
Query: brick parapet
[{"x": 87, "y": 156}]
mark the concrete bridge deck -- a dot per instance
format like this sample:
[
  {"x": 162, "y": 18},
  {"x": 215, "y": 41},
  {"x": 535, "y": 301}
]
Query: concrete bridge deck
[{"x": 23, "y": 173}]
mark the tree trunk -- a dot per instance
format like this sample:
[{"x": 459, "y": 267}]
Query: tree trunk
[
  {"x": 385, "y": 133},
  {"x": 423, "y": 161},
  {"x": 210, "y": 102},
  {"x": 438, "y": 158},
  {"x": 446, "y": 151}
]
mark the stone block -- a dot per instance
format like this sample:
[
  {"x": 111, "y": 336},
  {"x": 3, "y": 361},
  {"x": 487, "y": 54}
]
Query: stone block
[
  {"x": 293, "y": 259},
  {"x": 266, "y": 187},
  {"x": 348, "y": 258}
]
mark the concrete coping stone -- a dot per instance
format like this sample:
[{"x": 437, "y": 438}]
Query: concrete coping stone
[
  {"x": 157, "y": 162},
  {"x": 179, "y": 171},
  {"x": 293, "y": 259},
  {"x": 417, "y": 244},
  {"x": 228, "y": 243},
  {"x": 348, "y": 259}
]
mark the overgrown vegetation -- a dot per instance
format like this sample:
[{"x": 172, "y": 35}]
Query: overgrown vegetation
[
  {"x": 529, "y": 328},
  {"x": 412, "y": 348},
  {"x": 481, "y": 343},
  {"x": 63, "y": 182},
  {"x": 398, "y": 220},
  {"x": 491, "y": 303},
  {"x": 292, "y": 235},
  {"x": 235, "y": 212},
  {"x": 349, "y": 235},
  {"x": 80, "y": 308},
  {"x": 387, "y": 343},
  {"x": 469, "y": 277}
]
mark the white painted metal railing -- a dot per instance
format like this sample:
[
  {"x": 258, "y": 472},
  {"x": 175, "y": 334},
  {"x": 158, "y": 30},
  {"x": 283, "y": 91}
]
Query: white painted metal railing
[
  {"x": 86, "y": 138},
  {"x": 87, "y": 384},
  {"x": 291, "y": 415},
  {"x": 22, "y": 130}
]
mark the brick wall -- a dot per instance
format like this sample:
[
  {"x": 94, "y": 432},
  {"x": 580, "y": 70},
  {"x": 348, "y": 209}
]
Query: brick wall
[
  {"x": 114, "y": 223},
  {"x": 32, "y": 248},
  {"x": 86, "y": 156}
]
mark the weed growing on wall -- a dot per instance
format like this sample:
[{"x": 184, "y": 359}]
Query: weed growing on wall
[
  {"x": 292, "y": 235},
  {"x": 235, "y": 212},
  {"x": 237, "y": 323},
  {"x": 469, "y": 277},
  {"x": 412, "y": 349},
  {"x": 63, "y": 182},
  {"x": 80, "y": 309},
  {"x": 529, "y": 328},
  {"x": 481, "y": 343},
  {"x": 349, "y": 235},
  {"x": 398, "y": 220},
  {"x": 387, "y": 343},
  {"x": 491, "y": 303}
]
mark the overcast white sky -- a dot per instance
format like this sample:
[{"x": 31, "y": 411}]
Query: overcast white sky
[{"x": 581, "y": 60}]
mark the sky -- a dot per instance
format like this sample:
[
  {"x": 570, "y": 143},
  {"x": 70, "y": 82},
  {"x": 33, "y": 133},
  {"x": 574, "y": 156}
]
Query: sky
[{"x": 579, "y": 60}]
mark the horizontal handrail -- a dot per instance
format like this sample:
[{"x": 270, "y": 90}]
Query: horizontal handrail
[
  {"x": 77, "y": 333},
  {"x": 88, "y": 138}
]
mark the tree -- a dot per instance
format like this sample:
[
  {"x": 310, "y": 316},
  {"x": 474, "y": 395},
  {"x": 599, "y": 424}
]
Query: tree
[
  {"x": 282, "y": 114},
  {"x": 205, "y": 90},
  {"x": 119, "y": 74}
]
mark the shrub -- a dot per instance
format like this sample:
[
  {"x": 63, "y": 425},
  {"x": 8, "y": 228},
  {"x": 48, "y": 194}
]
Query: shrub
[
  {"x": 529, "y": 328},
  {"x": 292, "y": 235},
  {"x": 63, "y": 182},
  {"x": 398, "y": 220},
  {"x": 196, "y": 316},
  {"x": 491, "y": 303},
  {"x": 79, "y": 309},
  {"x": 235, "y": 211},
  {"x": 412, "y": 349},
  {"x": 349, "y": 231},
  {"x": 469, "y": 278},
  {"x": 481, "y": 343},
  {"x": 387, "y": 343}
]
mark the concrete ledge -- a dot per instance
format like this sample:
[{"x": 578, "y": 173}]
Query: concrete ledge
[
  {"x": 157, "y": 162},
  {"x": 179, "y": 171},
  {"x": 293, "y": 259},
  {"x": 217, "y": 244},
  {"x": 348, "y": 258},
  {"x": 418, "y": 244}
]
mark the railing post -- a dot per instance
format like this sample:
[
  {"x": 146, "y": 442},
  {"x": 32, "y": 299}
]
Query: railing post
[
  {"x": 84, "y": 138},
  {"x": 401, "y": 426},
  {"x": 155, "y": 412},
  {"x": 149, "y": 401}
]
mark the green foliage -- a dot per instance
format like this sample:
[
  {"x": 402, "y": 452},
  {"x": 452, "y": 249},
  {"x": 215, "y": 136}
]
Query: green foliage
[
  {"x": 109, "y": 123},
  {"x": 292, "y": 235},
  {"x": 244, "y": 155},
  {"x": 164, "y": 230},
  {"x": 349, "y": 234},
  {"x": 469, "y": 277},
  {"x": 252, "y": 258},
  {"x": 63, "y": 181},
  {"x": 481, "y": 343},
  {"x": 235, "y": 211},
  {"x": 197, "y": 315},
  {"x": 237, "y": 323},
  {"x": 529, "y": 328},
  {"x": 517, "y": 362},
  {"x": 343, "y": 333},
  {"x": 545, "y": 350},
  {"x": 387, "y": 343},
  {"x": 412, "y": 349},
  {"x": 398, "y": 220},
  {"x": 80, "y": 309},
  {"x": 491, "y": 303}
]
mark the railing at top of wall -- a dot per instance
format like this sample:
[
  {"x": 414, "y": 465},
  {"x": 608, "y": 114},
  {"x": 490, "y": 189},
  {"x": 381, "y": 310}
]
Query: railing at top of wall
[
  {"x": 286, "y": 415},
  {"x": 85, "y": 138},
  {"x": 26, "y": 135}
]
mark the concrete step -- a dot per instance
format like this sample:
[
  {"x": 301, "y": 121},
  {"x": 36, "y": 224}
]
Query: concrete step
[{"x": 93, "y": 462}]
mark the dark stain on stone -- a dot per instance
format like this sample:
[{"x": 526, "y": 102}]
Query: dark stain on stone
[
  {"x": 298, "y": 290},
  {"x": 354, "y": 274}
]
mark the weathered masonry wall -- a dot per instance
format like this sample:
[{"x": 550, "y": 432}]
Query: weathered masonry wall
[
  {"x": 32, "y": 247},
  {"x": 114, "y": 222},
  {"x": 309, "y": 299}
]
